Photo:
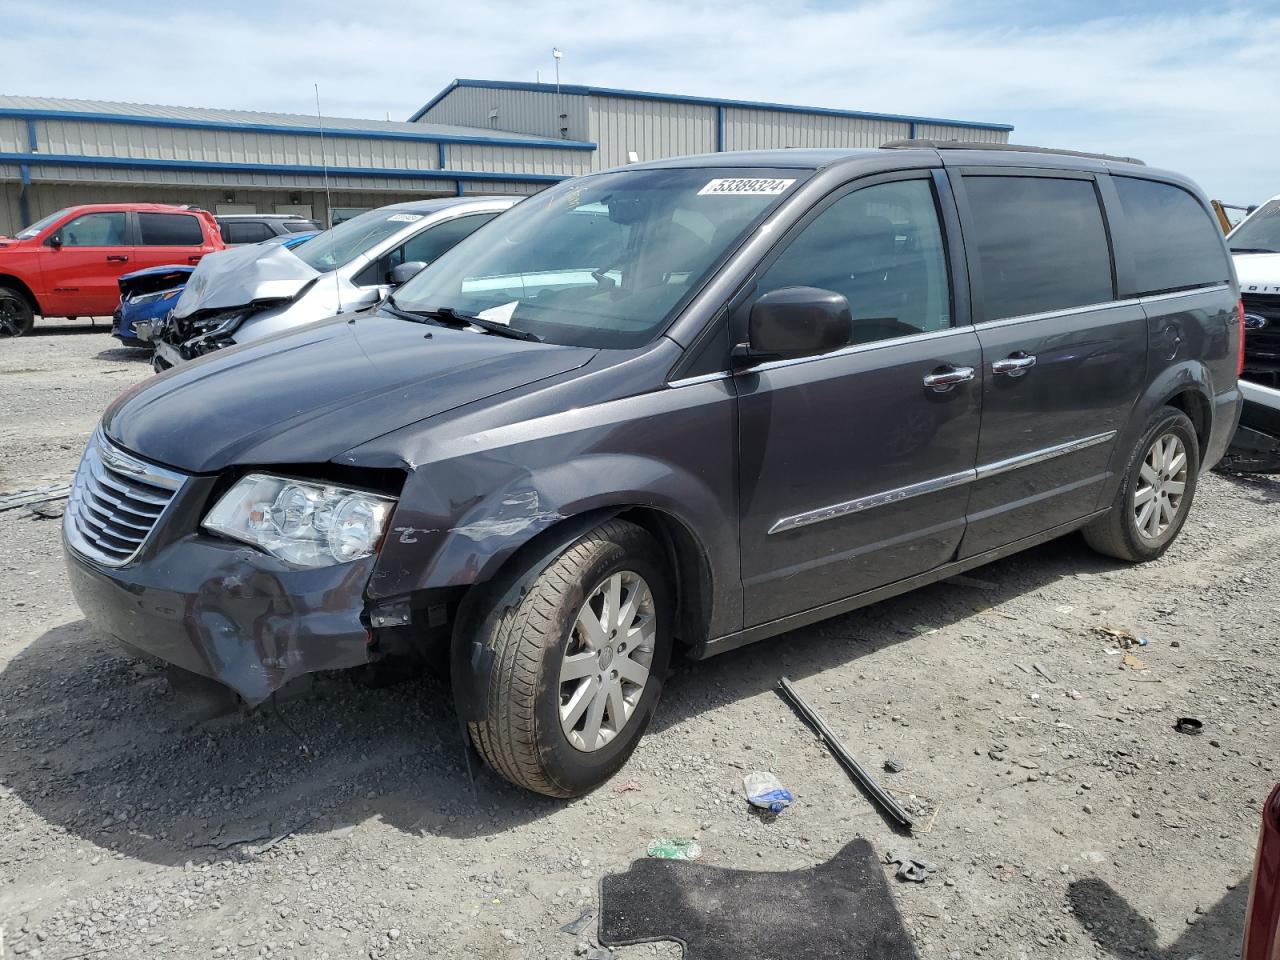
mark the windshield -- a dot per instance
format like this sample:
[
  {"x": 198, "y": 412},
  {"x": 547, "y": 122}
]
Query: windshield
[
  {"x": 35, "y": 228},
  {"x": 339, "y": 246},
  {"x": 603, "y": 261},
  {"x": 1260, "y": 233}
]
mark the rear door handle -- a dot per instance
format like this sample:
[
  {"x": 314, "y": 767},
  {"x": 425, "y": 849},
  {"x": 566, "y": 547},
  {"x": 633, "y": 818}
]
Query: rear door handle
[
  {"x": 944, "y": 378},
  {"x": 117, "y": 258},
  {"x": 194, "y": 259},
  {"x": 1014, "y": 365}
]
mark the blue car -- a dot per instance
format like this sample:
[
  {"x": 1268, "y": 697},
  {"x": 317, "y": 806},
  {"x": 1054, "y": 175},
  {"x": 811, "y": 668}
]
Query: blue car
[{"x": 148, "y": 295}]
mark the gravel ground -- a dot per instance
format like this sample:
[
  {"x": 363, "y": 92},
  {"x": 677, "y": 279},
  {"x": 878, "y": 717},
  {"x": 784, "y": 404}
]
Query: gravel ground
[{"x": 1066, "y": 816}]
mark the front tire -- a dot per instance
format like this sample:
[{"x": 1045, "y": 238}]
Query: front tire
[
  {"x": 16, "y": 316},
  {"x": 1156, "y": 493},
  {"x": 578, "y": 664}
]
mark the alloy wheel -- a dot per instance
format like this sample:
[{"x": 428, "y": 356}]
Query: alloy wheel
[
  {"x": 12, "y": 315},
  {"x": 1162, "y": 479},
  {"x": 607, "y": 660}
]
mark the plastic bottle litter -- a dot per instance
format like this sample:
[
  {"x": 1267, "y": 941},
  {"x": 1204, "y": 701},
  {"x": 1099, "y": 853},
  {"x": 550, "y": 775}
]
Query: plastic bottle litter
[
  {"x": 766, "y": 791},
  {"x": 675, "y": 848}
]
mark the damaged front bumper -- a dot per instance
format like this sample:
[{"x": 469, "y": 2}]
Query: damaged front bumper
[{"x": 230, "y": 613}]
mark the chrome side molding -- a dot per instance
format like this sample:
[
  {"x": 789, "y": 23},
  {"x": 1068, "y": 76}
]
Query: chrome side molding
[{"x": 936, "y": 484}]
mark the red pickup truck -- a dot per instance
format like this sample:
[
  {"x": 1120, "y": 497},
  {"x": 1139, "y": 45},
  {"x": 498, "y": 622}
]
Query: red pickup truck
[{"x": 67, "y": 264}]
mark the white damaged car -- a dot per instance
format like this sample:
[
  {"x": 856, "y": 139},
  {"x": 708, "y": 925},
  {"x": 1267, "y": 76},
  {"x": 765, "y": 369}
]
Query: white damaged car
[{"x": 246, "y": 293}]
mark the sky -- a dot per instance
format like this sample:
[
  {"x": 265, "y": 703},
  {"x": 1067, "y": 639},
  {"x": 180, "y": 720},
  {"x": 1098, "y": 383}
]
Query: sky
[{"x": 1192, "y": 87}]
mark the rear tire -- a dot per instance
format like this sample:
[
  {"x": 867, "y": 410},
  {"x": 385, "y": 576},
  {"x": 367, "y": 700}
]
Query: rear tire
[
  {"x": 16, "y": 316},
  {"x": 1155, "y": 494},
  {"x": 578, "y": 664}
]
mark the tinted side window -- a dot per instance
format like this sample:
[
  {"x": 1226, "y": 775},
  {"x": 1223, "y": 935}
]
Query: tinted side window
[
  {"x": 1040, "y": 243},
  {"x": 881, "y": 247},
  {"x": 430, "y": 244},
  {"x": 1175, "y": 243},
  {"x": 95, "y": 230},
  {"x": 170, "y": 230},
  {"x": 246, "y": 231}
]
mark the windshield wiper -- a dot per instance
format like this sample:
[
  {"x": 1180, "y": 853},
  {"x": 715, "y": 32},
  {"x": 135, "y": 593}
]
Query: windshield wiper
[
  {"x": 1253, "y": 250},
  {"x": 389, "y": 304},
  {"x": 491, "y": 326}
]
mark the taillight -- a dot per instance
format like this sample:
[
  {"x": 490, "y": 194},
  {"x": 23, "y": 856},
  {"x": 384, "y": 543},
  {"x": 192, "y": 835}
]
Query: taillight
[{"x": 1240, "y": 352}]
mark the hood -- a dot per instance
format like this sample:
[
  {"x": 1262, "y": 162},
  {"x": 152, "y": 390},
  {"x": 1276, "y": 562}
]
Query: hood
[
  {"x": 1259, "y": 271},
  {"x": 243, "y": 275},
  {"x": 310, "y": 395}
]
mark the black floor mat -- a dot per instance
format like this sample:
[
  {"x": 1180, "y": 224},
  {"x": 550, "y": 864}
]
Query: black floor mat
[{"x": 841, "y": 908}]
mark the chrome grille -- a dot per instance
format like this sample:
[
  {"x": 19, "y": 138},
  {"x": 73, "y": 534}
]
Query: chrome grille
[{"x": 115, "y": 502}]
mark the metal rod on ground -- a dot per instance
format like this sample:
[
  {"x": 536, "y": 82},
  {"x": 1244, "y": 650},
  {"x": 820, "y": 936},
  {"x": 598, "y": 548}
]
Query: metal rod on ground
[
  {"x": 26, "y": 498},
  {"x": 850, "y": 762}
]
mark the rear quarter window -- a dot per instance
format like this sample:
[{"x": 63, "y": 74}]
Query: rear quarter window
[
  {"x": 1174, "y": 242},
  {"x": 170, "y": 230},
  {"x": 1040, "y": 242}
]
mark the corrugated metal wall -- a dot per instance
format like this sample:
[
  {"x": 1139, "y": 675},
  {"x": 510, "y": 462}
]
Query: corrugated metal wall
[
  {"x": 753, "y": 129},
  {"x": 46, "y": 198},
  {"x": 653, "y": 129},
  {"x": 467, "y": 156},
  {"x": 935, "y": 131},
  {"x": 522, "y": 111},
  {"x": 87, "y": 138}
]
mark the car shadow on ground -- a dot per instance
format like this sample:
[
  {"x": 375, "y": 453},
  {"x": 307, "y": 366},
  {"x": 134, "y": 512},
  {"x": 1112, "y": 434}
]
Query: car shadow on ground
[
  {"x": 1119, "y": 930},
  {"x": 94, "y": 743},
  {"x": 1264, "y": 486},
  {"x": 123, "y": 354}
]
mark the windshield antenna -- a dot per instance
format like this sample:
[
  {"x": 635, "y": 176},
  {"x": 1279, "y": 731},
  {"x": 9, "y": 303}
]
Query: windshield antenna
[{"x": 328, "y": 202}]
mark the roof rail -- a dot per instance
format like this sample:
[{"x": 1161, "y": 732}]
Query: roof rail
[{"x": 1014, "y": 147}]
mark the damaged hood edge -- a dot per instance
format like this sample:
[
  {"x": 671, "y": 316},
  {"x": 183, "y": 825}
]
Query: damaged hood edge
[{"x": 243, "y": 276}]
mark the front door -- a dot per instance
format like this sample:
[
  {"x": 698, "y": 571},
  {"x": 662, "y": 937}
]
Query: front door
[
  {"x": 80, "y": 270},
  {"x": 1063, "y": 360},
  {"x": 855, "y": 466}
]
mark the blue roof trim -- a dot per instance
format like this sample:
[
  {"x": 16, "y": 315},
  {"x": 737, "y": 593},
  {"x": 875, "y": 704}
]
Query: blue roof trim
[
  {"x": 142, "y": 163},
  {"x": 578, "y": 90},
  {"x": 184, "y": 123}
]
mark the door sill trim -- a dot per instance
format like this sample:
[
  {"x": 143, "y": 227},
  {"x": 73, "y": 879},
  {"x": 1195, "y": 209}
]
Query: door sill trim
[{"x": 709, "y": 648}]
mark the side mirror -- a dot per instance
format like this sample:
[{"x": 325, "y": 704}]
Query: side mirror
[
  {"x": 406, "y": 271},
  {"x": 56, "y": 241},
  {"x": 796, "y": 322}
]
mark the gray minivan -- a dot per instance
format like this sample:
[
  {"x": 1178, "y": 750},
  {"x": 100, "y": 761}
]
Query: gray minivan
[{"x": 694, "y": 402}]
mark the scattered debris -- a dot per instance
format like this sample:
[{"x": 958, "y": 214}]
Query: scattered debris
[
  {"x": 894, "y": 766},
  {"x": 1189, "y": 725},
  {"x": 1143, "y": 641},
  {"x": 910, "y": 867},
  {"x": 1134, "y": 663},
  {"x": 575, "y": 927},
  {"x": 1043, "y": 672},
  {"x": 627, "y": 787},
  {"x": 766, "y": 791},
  {"x": 850, "y": 762},
  {"x": 11, "y": 501},
  {"x": 674, "y": 848},
  {"x": 1075, "y": 694},
  {"x": 47, "y": 511}
]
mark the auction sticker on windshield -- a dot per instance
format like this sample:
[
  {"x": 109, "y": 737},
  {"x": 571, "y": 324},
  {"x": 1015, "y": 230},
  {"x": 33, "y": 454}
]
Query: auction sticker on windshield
[
  {"x": 404, "y": 218},
  {"x": 751, "y": 186}
]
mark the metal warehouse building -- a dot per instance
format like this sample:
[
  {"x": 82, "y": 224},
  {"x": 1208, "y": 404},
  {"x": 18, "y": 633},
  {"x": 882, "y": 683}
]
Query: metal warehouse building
[{"x": 475, "y": 136}]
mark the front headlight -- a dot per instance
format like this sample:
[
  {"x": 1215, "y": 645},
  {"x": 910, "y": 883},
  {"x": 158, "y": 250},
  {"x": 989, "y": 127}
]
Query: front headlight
[{"x": 310, "y": 524}]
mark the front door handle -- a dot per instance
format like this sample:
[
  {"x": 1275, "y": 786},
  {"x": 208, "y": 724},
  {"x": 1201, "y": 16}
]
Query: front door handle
[
  {"x": 194, "y": 259},
  {"x": 945, "y": 378},
  {"x": 117, "y": 258},
  {"x": 1015, "y": 365}
]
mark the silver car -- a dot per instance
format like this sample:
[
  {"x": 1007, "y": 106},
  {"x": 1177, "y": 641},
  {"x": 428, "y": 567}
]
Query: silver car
[{"x": 246, "y": 293}]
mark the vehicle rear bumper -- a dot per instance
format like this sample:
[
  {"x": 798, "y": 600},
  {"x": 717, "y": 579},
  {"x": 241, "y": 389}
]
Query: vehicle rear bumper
[{"x": 229, "y": 613}]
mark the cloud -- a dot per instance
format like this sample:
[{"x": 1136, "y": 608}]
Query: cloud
[{"x": 1182, "y": 86}]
